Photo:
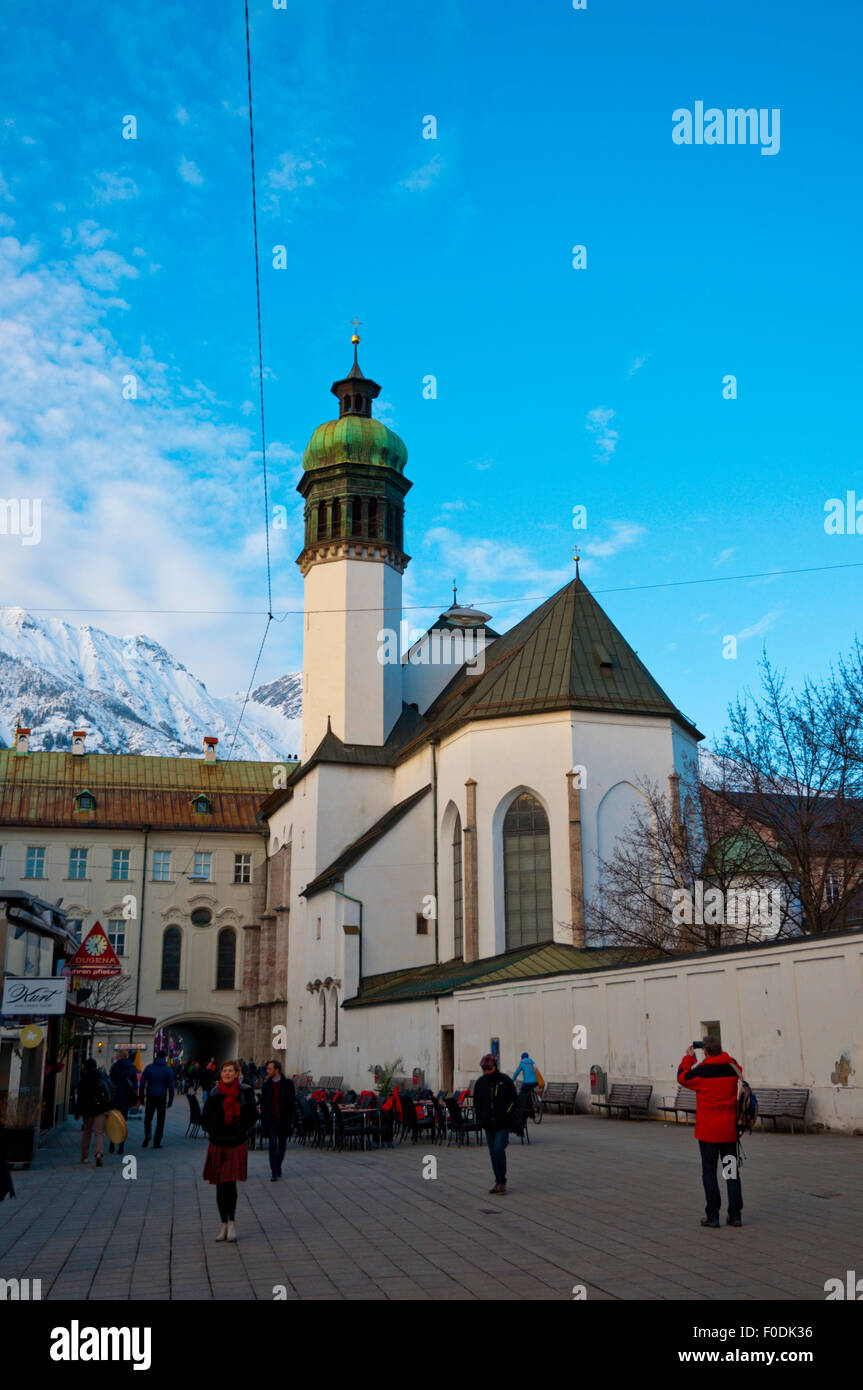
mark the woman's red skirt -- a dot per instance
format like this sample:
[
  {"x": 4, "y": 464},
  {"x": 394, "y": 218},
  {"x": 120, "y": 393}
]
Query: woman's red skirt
[{"x": 227, "y": 1164}]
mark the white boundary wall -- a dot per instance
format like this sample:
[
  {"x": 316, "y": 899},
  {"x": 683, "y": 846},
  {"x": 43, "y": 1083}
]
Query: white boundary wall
[{"x": 792, "y": 1015}]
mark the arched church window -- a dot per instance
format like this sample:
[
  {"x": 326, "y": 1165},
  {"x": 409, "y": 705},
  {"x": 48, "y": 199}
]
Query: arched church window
[
  {"x": 337, "y": 518},
  {"x": 322, "y": 1014},
  {"x": 390, "y": 522},
  {"x": 334, "y": 1017},
  {"x": 398, "y": 537},
  {"x": 322, "y": 521},
  {"x": 373, "y": 518},
  {"x": 357, "y": 516},
  {"x": 226, "y": 958},
  {"x": 172, "y": 944},
  {"x": 526, "y": 873},
  {"x": 457, "y": 898}
]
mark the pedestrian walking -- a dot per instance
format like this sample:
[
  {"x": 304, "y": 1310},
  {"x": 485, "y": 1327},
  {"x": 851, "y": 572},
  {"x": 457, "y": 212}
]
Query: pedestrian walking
[
  {"x": 156, "y": 1094},
  {"x": 95, "y": 1096},
  {"x": 715, "y": 1083},
  {"x": 229, "y": 1116},
  {"x": 124, "y": 1079},
  {"x": 278, "y": 1102},
  {"x": 7, "y": 1188},
  {"x": 494, "y": 1099}
]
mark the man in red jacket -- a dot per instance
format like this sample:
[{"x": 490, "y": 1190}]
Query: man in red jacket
[{"x": 714, "y": 1082}]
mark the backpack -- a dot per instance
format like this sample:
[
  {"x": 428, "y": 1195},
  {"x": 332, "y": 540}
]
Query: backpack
[
  {"x": 540, "y": 1079},
  {"x": 105, "y": 1093},
  {"x": 747, "y": 1108}
]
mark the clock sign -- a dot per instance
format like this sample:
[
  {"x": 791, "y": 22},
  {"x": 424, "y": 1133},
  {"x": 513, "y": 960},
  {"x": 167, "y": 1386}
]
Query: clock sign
[{"x": 95, "y": 958}]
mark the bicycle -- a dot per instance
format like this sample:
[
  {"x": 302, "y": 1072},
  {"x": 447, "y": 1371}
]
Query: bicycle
[{"x": 536, "y": 1112}]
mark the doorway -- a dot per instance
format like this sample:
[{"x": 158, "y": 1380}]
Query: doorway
[{"x": 447, "y": 1048}]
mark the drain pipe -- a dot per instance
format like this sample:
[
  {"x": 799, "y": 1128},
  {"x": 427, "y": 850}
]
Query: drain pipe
[
  {"x": 434, "y": 747},
  {"x": 146, "y": 830},
  {"x": 360, "y": 960}
]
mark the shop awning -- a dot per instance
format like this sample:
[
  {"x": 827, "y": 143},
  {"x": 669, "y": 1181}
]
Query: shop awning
[{"x": 109, "y": 1016}]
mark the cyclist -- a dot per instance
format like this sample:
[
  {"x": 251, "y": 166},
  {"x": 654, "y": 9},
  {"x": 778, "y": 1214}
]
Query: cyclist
[{"x": 530, "y": 1080}]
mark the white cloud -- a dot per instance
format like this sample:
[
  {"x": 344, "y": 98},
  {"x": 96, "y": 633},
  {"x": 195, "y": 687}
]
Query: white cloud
[
  {"x": 182, "y": 115},
  {"x": 763, "y": 625},
  {"x": 483, "y": 561},
  {"x": 190, "y": 173},
  {"x": 623, "y": 534},
  {"x": 147, "y": 504},
  {"x": 424, "y": 177},
  {"x": 113, "y": 188},
  {"x": 724, "y": 556},
  {"x": 598, "y": 423},
  {"x": 292, "y": 171},
  {"x": 636, "y": 366}
]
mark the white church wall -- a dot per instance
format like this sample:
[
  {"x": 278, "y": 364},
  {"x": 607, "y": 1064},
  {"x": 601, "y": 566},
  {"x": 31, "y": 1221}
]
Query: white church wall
[
  {"x": 791, "y": 1013},
  {"x": 615, "y": 751},
  {"x": 504, "y": 757},
  {"x": 434, "y": 659},
  {"x": 392, "y": 880},
  {"x": 534, "y": 754}
]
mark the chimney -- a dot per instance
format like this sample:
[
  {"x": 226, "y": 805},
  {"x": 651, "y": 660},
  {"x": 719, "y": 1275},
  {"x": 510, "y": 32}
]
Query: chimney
[
  {"x": 78, "y": 737},
  {"x": 210, "y": 749},
  {"x": 22, "y": 740}
]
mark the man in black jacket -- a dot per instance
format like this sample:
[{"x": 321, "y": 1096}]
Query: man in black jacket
[
  {"x": 278, "y": 1101},
  {"x": 494, "y": 1098}
]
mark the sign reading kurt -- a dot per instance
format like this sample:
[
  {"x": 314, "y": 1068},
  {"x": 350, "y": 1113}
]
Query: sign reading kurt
[
  {"x": 736, "y": 126},
  {"x": 31, "y": 995}
]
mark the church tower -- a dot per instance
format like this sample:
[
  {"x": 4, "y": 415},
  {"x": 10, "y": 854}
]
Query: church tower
[{"x": 352, "y": 562}]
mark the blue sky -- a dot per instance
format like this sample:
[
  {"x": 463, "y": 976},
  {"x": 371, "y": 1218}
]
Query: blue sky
[{"x": 556, "y": 387}]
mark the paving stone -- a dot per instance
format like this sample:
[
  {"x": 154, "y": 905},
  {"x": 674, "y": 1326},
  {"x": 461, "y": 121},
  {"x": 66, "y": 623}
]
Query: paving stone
[{"x": 615, "y": 1207}]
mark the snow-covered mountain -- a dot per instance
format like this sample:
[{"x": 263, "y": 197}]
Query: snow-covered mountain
[{"x": 130, "y": 694}]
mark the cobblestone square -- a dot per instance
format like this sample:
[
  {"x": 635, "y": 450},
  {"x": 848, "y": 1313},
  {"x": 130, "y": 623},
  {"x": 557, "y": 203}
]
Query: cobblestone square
[{"x": 608, "y": 1204}]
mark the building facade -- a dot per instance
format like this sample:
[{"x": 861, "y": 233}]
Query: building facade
[
  {"x": 168, "y": 854},
  {"x": 452, "y": 804}
]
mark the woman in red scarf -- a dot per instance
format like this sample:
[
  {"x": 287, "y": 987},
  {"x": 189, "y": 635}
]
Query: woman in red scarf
[{"x": 229, "y": 1117}]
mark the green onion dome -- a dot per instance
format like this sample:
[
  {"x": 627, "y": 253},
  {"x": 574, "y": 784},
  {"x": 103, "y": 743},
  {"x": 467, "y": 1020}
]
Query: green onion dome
[{"x": 355, "y": 439}]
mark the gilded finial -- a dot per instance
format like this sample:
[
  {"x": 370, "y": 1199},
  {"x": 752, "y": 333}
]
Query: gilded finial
[
  {"x": 454, "y": 595},
  {"x": 576, "y": 557}
]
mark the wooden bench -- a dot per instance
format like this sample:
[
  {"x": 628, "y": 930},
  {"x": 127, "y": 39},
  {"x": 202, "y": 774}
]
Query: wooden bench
[
  {"x": 626, "y": 1097},
  {"x": 561, "y": 1093},
  {"x": 684, "y": 1101},
  {"x": 782, "y": 1103}
]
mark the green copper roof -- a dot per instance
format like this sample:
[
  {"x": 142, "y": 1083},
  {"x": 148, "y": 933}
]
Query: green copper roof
[
  {"x": 567, "y": 654},
  {"x": 355, "y": 439},
  {"x": 743, "y": 853},
  {"x": 521, "y": 963}
]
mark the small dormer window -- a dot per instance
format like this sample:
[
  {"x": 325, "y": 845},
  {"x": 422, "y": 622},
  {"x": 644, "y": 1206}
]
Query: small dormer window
[
  {"x": 202, "y": 805},
  {"x": 603, "y": 657},
  {"x": 85, "y": 801}
]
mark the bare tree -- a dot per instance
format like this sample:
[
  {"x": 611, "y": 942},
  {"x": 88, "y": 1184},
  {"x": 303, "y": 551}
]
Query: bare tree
[
  {"x": 793, "y": 776},
  {"x": 114, "y": 993}
]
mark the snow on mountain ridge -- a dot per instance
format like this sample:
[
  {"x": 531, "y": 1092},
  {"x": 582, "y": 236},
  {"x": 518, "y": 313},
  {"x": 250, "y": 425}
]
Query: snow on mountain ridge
[{"x": 130, "y": 693}]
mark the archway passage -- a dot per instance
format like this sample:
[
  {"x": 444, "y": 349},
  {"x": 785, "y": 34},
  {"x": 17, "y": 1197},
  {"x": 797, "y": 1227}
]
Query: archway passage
[{"x": 199, "y": 1039}]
